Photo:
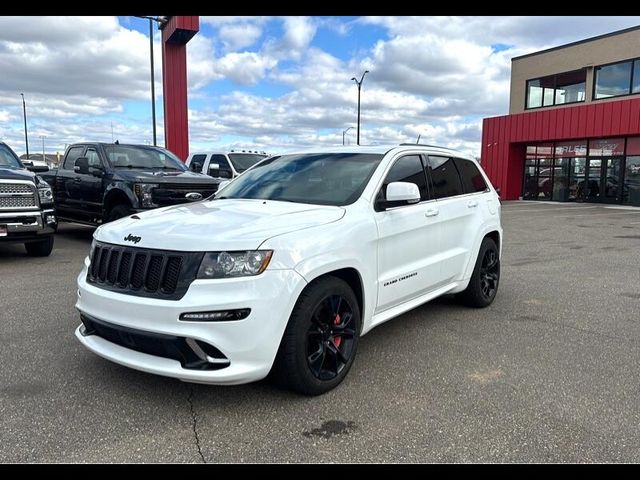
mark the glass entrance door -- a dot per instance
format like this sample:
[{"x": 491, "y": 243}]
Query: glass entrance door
[
  {"x": 611, "y": 180},
  {"x": 603, "y": 179}
]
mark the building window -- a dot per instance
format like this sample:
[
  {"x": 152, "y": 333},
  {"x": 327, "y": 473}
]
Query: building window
[
  {"x": 613, "y": 80},
  {"x": 558, "y": 89}
]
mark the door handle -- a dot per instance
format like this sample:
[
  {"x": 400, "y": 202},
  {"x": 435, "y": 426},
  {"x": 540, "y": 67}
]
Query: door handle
[
  {"x": 432, "y": 212},
  {"x": 472, "y": 203},
  {"x": 77, "y": 180}
]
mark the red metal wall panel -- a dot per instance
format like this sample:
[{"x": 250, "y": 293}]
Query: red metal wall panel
[{"x": 504, "y": 138}]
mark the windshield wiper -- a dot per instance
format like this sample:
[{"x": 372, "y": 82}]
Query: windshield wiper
[{"x": 134, "y": 166}]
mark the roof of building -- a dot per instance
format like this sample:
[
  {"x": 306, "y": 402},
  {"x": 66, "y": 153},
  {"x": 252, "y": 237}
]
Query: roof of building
[{"x": 586, "y": 40}]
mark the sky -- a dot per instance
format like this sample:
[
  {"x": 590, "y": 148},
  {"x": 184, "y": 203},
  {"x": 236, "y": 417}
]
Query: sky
[{"x": 272, "y": 83}]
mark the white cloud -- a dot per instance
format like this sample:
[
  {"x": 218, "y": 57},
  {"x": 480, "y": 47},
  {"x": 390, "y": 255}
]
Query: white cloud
[{"x": 236, "y": 37}]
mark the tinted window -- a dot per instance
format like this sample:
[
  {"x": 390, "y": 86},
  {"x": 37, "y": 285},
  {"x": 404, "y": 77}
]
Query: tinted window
[
  {"x": 72, "y": 155},
  {"x": 444, "y": 177},
  {"x": 472, "y": 180},
  {"x": 221, "y": 160},
  {"x": 242, "y": 161},
  {"x": 316, "y": 178},
  {"x": 8, "y": 159},
  {"x": 407, "y": 169},
  {"x": 93, "y": 158},
  {"x": 197, "y": 161},
  {"x": 613, "y": 80},
  {"x": 143, "y": 158}
]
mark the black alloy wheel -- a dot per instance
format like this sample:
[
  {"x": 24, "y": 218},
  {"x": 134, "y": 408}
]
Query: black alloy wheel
[
  {"x": 483, "y": 284},
  {"x": 330, "y": 337},
  {"x": 320, "y": 342},
  {"x": 489, "y": 273}
]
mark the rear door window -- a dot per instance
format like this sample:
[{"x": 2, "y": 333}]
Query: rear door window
[
  {"x": 444, "y": 177},
  {"x": 472, "y": 179}
]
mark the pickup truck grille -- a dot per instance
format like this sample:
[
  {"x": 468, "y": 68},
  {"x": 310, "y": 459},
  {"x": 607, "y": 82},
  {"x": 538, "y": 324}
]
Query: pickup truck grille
[
  {"x": 143, "y": 272},
  {"x": 174, "y": 194},
  {"x": 17, "y": 196}
]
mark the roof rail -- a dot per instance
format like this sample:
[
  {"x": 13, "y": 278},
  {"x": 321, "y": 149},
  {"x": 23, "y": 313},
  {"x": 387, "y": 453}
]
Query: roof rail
[{"x": 425, "y": 145}]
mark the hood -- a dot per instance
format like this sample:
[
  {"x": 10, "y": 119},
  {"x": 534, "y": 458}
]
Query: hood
[
  {"x": 164, "y": 177},
  {"x": 230, "y": 224},
  {"x": 19, "y": 174}
]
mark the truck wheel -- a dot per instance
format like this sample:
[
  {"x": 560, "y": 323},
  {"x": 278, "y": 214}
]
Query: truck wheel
[
  {"x": 321, "y": 338},
  {"x": 483, "y": 284},
  {"x": 41, "y": 248},
  {"x": 119, "y": 211}
]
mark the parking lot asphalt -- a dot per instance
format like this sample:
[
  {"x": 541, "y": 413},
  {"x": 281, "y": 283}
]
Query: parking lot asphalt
[{"x": 548, "y": 373}]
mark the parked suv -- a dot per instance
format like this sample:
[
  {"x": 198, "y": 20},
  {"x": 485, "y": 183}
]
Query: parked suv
[
  {"x": 289, "y": 264},
  {"x": 27, "y": 214},
  {"x": 101, "y": 182},
  {"x": 224, "y": 165}
]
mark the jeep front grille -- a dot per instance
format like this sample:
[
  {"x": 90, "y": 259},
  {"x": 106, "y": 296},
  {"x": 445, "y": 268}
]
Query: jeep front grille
[{"x": 143, "y": 272}]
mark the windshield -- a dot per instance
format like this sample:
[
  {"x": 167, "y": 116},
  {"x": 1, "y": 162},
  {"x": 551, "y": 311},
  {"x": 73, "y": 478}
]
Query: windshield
[
  {"x": 8, "y": 159},
  {"x": 317, "y": 178},
  {"x": 242, "y": 161},
  {"x": 143, "y": 158}
]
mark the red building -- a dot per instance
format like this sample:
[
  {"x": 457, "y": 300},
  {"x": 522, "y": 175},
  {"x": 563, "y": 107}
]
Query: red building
[{"x": 573, "y": 132}]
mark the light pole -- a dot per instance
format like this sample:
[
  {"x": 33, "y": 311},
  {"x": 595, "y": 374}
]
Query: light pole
[
  {"x": 24, "y": 111},
  {"x": 343, "y": 132},
  {"x": 162, "y": 21},
  {"x": 359, "y": 83}
]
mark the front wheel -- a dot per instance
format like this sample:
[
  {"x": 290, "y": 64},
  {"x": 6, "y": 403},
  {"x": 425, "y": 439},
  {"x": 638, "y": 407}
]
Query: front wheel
[
  {"x": 483, "y": 284},
  {"x": 321, "y": 338},
  {"x": 117, "y": 212},
  {"x": 41, "y": 248}
]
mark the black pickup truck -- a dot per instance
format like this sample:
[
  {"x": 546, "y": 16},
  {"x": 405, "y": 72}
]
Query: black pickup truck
[
  {"x": 27, "y": 214},
  {"x": 101, "y": 182}
]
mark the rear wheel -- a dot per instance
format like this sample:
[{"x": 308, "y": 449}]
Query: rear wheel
[
  {"x": 483, "y": 284},
  {"x": 41, "y": 248},
  {"x": 119, "y": 211},
  {"x": 321, "y": 339}
]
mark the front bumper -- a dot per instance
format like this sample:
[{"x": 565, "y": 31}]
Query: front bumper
[
  {"x": 250, "y": 345},
  {"x": 23, "y": 226}
]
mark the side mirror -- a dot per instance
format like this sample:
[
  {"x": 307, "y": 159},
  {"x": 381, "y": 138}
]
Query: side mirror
[
  {"x": 498, "y": 191},
  {"x": 398, "y": 194},
  {"x": 96, "y": 171},
  {"x": 37, "y": 168},
  {"x": 81, "y": 165},
  {"x": 214, "y": 170}
]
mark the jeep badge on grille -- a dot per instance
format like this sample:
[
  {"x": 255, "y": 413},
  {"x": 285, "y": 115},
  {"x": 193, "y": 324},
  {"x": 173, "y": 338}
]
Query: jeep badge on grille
[
  {"x": 132, "y": 238},
  {"x": 193, "y": 196}
]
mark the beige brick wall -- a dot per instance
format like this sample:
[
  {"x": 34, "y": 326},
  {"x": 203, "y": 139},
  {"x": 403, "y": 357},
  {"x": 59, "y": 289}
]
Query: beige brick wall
[{"x": 588, "y": 54}]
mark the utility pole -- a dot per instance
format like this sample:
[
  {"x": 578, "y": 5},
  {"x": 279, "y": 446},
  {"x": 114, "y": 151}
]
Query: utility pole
[
  {"x": 359, "y": 83},
  {"x": 24, "y": 111},
  {"x": 343, "y": 132}
]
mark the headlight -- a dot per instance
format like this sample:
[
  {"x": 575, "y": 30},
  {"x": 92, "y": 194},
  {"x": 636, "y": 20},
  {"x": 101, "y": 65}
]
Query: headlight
[
  {"x": 143, "y": 192},
  {"x": 44, "y": 191},
  {"x": 234, "y": 264}
]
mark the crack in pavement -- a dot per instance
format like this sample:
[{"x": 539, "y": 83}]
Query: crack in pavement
[{"x": 194, "y": 417}]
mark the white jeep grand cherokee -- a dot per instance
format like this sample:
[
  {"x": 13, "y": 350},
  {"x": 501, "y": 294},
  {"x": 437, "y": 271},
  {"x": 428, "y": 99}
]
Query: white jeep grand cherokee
[{"x": 288, "y": 265}]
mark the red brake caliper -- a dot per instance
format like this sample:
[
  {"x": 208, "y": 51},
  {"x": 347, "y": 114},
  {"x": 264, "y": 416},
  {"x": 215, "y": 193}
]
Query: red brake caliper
[{"x": 337, "y": 339}]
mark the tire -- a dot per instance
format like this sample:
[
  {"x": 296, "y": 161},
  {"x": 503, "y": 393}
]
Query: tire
[
  {"x": 117, "y": 212},
  {"x": 321, "y": 339},
  {"x": 41, "y": 248},
  {"x": 484, "y": 281}
]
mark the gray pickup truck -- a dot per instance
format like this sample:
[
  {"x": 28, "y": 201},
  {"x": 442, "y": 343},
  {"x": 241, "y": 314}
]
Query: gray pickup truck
[{"x": 27, "y": 213}]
